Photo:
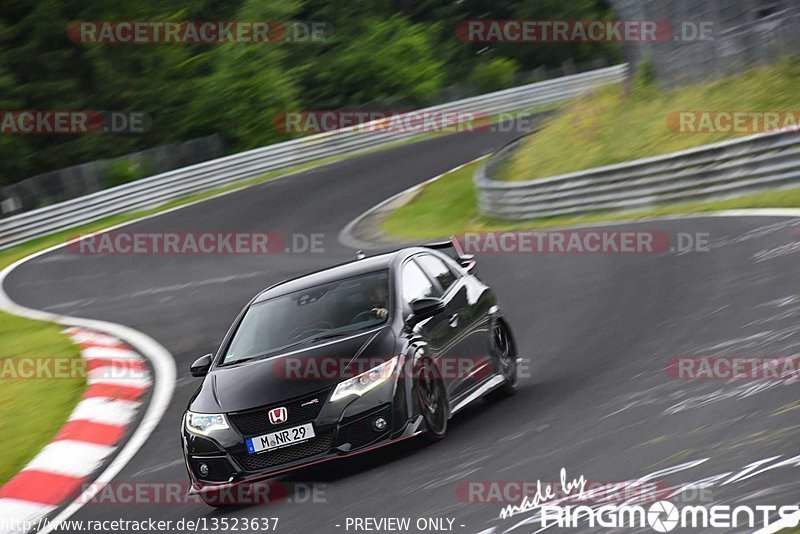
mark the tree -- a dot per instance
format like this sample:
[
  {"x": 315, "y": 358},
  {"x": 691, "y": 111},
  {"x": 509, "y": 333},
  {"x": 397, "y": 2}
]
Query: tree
[
  {"x": 248, "y": 84},
  {"x": 382, "y": 54},
  {"x": 387, "y": 60}
]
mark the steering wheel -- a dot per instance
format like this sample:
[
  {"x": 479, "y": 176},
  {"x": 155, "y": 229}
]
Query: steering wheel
[
  {"x": 305, "y": 330},
  {"x": 368, "y": 315}
]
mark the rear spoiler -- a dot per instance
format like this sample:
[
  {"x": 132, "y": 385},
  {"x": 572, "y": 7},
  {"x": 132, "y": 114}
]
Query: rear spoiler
[{"x": 467, "y": 261}]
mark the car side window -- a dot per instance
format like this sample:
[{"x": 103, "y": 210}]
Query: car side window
[
  {"x": 438, "y": 269},
  {"x": 416, "y": 284}
]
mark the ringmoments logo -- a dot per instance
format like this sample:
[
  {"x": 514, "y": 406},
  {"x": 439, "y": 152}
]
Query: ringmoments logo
[
  {"x": 663, "y": 516},
  {"x": 548, "y": 508}
]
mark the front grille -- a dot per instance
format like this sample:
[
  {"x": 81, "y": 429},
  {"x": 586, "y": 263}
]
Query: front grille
[
  {"x": 360, "y": 433},
  {"x": 219, "y": 469},
  {"x": 256, "y": 422},
  {"x": 256, "y": 462}
]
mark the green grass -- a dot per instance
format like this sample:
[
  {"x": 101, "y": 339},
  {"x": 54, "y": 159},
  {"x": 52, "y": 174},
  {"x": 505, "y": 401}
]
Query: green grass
[
  {"x": 607, "y": 127},
  {"x": 602, "y": 129},
  {"x": 447, "y": 206},
  {"x": 442, "y": 208},
  {"x": 32, "y": 411}
]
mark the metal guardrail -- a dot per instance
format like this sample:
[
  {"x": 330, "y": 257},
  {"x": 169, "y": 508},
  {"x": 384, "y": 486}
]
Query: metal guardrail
[
  {"x": 87, "y": 178},
  {"x": 752, "y": 164},
  {"x": 162, "y": 188}
]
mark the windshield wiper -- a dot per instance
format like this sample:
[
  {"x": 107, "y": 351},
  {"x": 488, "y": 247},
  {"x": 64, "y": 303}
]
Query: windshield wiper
[
  {"x": 312, "y": 339},
  {"x": 329, "y": 335},
  {"x": 284, "y": 348},
  {"x": 243, "y": 360}
]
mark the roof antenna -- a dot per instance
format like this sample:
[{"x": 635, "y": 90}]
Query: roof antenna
[{"x": 360, "y": 255}]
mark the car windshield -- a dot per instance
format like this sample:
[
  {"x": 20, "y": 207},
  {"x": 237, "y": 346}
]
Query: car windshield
[{"x": 326, "y": 311}]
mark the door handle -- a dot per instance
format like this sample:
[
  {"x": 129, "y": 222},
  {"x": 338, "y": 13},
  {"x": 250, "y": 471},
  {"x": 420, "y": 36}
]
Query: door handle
[{"x": 453, "y": 320}]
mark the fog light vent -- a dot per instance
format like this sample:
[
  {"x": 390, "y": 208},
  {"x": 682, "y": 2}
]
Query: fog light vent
[{"x": 379, "y": 424}]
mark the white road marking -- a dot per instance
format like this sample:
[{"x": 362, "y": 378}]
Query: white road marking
[
  {"x": 106, "y": 411},
  {"x": 79, "y": 335},
  {"x": 108, "y": 353},
  {"x": 118, "y": 376},
  {"x": 76, "y": 459}
]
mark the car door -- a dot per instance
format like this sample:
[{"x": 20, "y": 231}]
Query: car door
[
  {"x": 436, "y": 331},
  {"x": 466, "y": 361}
]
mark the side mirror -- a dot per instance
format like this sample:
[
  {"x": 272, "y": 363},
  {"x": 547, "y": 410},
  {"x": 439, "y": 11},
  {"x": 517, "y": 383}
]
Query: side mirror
[
  {"x": 423, "y": 308},
  {"x": 200, "y": 367},
  {"x": 467, "y": 261}
]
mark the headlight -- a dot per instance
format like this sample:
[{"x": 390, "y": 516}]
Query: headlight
[
  {"x": 367, "y": 381},
  {"x": 199, "y": 423}
]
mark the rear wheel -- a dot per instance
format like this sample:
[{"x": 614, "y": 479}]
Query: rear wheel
[
  {"x": 432, "y": 400},
  {"x": 503, "y": 352}
]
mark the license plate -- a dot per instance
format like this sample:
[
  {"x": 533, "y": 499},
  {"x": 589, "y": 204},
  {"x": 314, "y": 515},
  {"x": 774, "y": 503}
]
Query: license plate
[{"x": 281, "y": 438}]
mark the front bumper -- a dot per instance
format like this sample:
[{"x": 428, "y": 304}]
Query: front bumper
[{"x": 341, "y": 428}]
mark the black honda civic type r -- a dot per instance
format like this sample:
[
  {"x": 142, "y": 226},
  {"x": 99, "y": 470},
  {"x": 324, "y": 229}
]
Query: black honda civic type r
[{"x": 342, "y": 361}]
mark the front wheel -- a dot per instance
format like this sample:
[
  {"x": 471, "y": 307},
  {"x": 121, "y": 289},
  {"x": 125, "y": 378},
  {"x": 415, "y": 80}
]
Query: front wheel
[{"x": 432, "y": 400}]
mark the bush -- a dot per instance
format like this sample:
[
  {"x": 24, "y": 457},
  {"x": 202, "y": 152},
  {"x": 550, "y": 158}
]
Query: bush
[
  {"x": 644, "y": 82},
  {"x": 123, "y": 171},
  {"x": 495, "y": 74}
]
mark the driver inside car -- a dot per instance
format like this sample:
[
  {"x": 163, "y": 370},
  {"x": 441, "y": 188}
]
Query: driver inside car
[{"x": 378, "y": 300}]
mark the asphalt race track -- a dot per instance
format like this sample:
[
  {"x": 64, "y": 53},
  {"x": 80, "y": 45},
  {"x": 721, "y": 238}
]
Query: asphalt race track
[{"x": 599, "y": 330}]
